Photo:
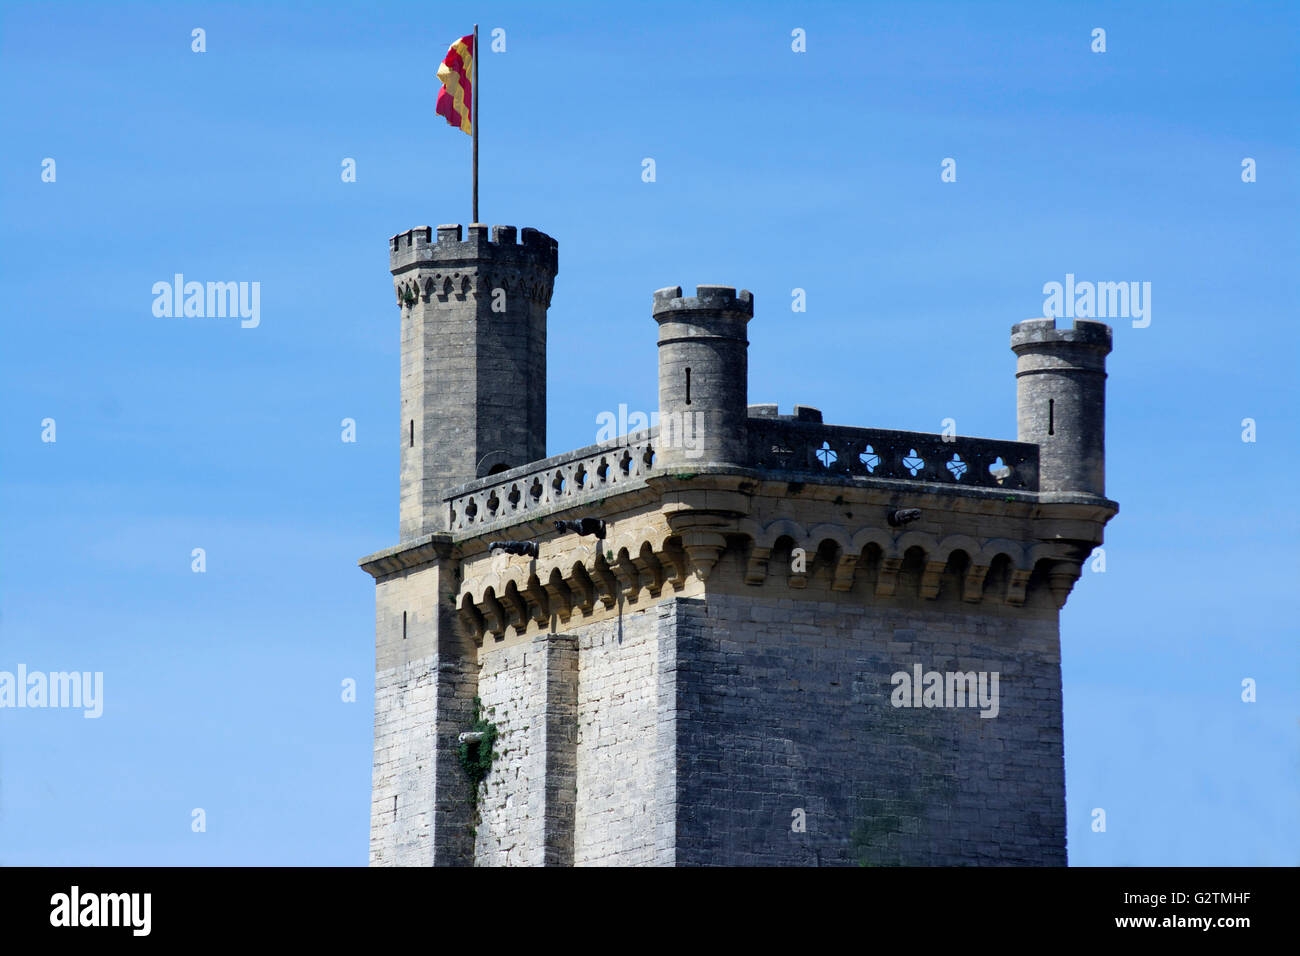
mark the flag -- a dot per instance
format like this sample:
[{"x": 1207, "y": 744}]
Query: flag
[{"x": 455, "y": 99}]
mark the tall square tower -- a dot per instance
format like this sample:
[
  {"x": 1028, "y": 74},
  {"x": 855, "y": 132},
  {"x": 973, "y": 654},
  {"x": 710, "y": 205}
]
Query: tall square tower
[{"x": 739, "y": 637}]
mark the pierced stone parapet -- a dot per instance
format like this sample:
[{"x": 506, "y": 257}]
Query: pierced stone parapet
[
  {"x": 554, "y": 484},
  {"x": 815, "y": 449}
]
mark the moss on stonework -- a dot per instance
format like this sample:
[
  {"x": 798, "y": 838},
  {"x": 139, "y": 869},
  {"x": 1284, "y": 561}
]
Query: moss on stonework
[
  {"x": 907, "y": 807},
  {"x": 476, "y": 756}
]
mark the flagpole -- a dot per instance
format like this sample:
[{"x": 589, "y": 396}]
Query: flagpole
[{"x": 474, "y": 119}]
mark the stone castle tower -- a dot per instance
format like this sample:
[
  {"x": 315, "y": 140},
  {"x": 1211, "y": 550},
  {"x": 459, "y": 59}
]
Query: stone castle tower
[{"x": 772, "y": 640}]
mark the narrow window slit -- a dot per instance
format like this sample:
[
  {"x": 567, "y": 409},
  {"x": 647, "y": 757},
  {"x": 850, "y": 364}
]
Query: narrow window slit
[
  {"x": 1051, "y": 416},
  {"x": 403, "y": 625},
  {"x": 412, "y": 432},
  {"x": 688, "y": 386}
]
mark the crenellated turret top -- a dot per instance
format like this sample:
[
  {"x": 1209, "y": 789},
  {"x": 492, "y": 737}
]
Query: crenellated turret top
[
  {"x": 707, "y": 298},
  {"x": 1043, "y": 332},
  {"x": 527, "y": 247}
]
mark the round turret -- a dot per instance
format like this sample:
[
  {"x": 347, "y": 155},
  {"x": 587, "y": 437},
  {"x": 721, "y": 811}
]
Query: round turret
[
  {"x": 1061, "y": 401},
  {"x": 703, "y": 375}
]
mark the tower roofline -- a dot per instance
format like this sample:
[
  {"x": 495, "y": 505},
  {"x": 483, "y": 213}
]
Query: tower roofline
[
  {"x": 1043, "y": 332},
  {"x": 421, "y": 245},
  {"x": 720, "y": 298}
]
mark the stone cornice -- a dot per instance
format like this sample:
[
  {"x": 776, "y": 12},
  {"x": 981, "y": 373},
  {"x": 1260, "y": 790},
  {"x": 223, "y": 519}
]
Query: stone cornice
[{"x": 408, "y": 555}]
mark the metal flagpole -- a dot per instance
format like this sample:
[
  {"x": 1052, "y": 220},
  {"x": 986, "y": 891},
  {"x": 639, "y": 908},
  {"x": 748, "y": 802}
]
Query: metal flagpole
[{"x": 474, "y": 119}]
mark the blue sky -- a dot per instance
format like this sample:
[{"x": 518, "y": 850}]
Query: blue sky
[{"x": 774, "y": 170}]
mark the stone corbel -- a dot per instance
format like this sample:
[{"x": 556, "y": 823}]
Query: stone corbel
[
  {"x": 931, "y": 578},
  {"x": 845, "y": 568},
  {"x": 558, "y": 594},
  {"x": 494, "y": 615},
  {"x": 972, "y": 585},
  {"x": 1060, "y": 580},
  {"x": 887, "y": 582},
  {"x": 583, "y": 589},
  {"x": 629, "y": 576},
  {"x": 650, "y": 570},
  {"x": 704, "y": 548},
  {"x": 673, "y": 558},
  {"x": 1017, "y": 582},
  {"x": 472, "y": 620},
  {"x": 606, "y": 584},
  {"x": 538, "y": 603},
  {"x": 515, "y": 606},
  {"x": 703, "y": 537}
]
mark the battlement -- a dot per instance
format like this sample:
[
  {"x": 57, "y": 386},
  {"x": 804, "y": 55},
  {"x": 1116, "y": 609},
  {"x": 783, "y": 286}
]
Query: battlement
[
  {"x": 420, "y": 246},
  {"x": 707, "y": 298},
  {"x": 1039, "y": 332},
  {"x": 802, "y": 413}
]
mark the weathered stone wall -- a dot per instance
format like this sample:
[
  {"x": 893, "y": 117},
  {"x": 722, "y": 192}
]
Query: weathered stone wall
[
  {"x": 699, "y": 725},
  {"x": 786, "y": 706},
  {"x": 586, "y": 743},
  {"x": 424, "y": 687},
  {"x": 526, "y": 803},
  {"x": 625, "y": 783}
]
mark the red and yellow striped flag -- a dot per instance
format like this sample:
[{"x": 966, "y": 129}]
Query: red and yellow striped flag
[{"x": 456, "y": 98}]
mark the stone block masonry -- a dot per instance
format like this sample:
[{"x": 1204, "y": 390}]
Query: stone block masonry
[
  {"x": 530, "y": 692},
  {"x": 786, "y": 705},
  {"x": 703, "y": 726}
]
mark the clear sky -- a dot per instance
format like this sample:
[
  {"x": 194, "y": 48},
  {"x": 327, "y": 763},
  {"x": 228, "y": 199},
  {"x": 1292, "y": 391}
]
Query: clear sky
[{"x": 775, "y": 170}]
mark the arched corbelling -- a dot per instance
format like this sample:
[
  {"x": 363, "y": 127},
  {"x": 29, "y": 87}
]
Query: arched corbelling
[
  {"x": 829, "y": 532},
  {"x": 539, "y": 605},
  {"x": 584, "y": 590},
  {"x": 559, "y": 594},
  {"x": 500, "y": 592},
  {"x": 472, "y": 618},
  {"x": 785, "y": 543},
  {"x": 476, "y": 585},
  {"x": 674, "y": 560},
  {"x": 1004, "y": 578},
  {"x": 580, "y": 553},
  {"x": 627, "y": 573},
  {"x": 844, "y": 568},
  {"x": 914, "y": 539},
  {"x": 877, "y": 536},
  {"x": 1048, "y": 550},
  {"x": 756, "y": 563},
  {"x": 493, "y": 613},
  {"x": 783, "y": 527},
  {"x": 634, "y": 538},
  {"x": 516, "y": 607},
  {"x": 607, "y": 586},
  {"x": 956, "y": 542},
  {"x": 650, "y": 569},
  {"x": 992, "y": 548},
  {"x": 823, "y": 556}
]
